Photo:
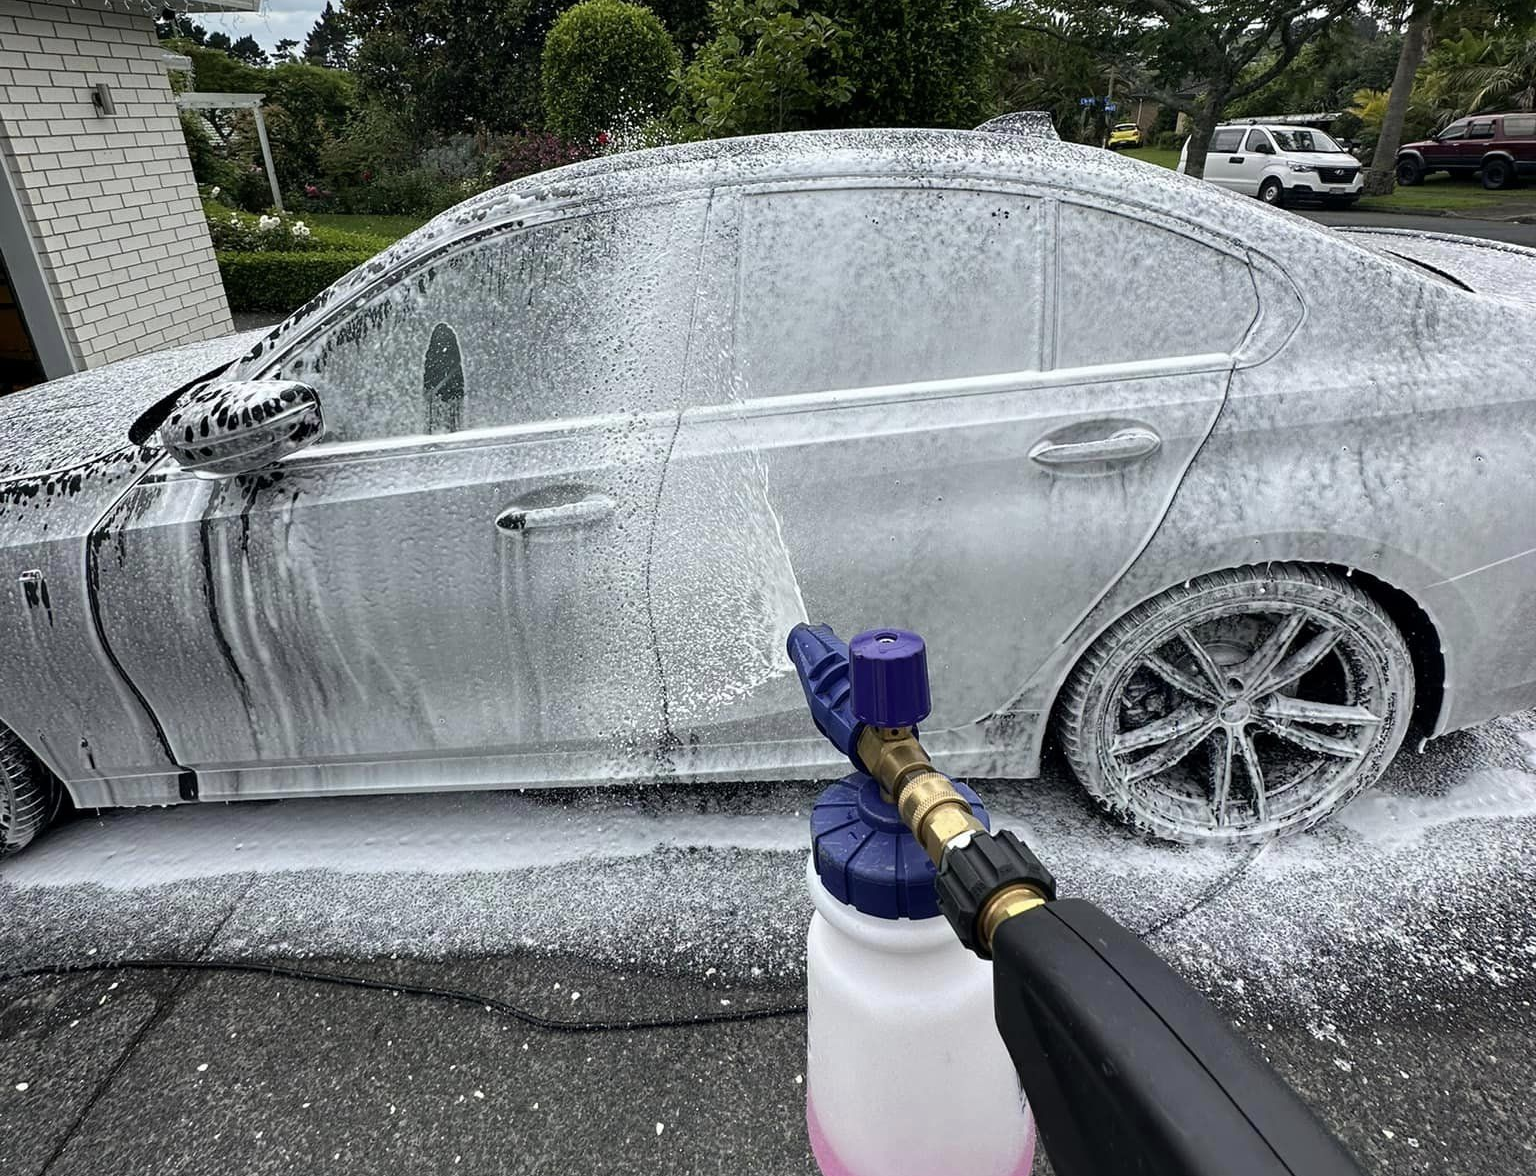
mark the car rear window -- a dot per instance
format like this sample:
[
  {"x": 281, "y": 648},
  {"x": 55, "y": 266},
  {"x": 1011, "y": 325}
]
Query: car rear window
[
  {"x": 1226, "y": 140},
  {"x": 1520, "y": 126}
]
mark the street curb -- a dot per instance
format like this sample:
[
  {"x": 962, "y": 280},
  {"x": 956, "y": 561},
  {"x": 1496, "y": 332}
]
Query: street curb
[{"x": 1524, "y": 218}]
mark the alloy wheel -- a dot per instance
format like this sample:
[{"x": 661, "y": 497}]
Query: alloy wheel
[{"x": 1246, "y": 719}]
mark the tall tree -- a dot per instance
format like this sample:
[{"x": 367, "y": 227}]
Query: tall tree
[
  {"x": 285, "y": 50},
  {"x": 329, "y": 43},
  {"x": 1381, "y": 175},
  {"x": 171, "y": 23},
  {"x": 453, "y": 66},
  {"x": 247, "y": 50},
  {"x": 1195, "y": 56}
]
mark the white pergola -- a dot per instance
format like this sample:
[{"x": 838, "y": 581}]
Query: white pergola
[{"x": 194, "y": 100}]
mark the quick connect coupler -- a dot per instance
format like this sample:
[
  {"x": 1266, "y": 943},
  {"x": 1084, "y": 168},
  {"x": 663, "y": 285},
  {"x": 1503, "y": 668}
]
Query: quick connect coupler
[{"x": 867, "y": 697}]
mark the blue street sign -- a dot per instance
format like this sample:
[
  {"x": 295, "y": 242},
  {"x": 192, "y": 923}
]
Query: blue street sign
[
  {"x": 1111, "y": 107},
  {"x": 1086, "y": 101}
]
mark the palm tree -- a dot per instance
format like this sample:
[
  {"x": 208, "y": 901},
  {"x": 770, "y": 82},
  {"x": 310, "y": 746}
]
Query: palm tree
[{"x": 1505, "y": 77}]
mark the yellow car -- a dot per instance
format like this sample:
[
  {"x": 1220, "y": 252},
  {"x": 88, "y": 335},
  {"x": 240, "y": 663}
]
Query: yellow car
[{"x": 1125, "y": 135}]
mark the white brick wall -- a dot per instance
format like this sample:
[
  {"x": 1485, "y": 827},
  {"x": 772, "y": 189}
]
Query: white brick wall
[{"x": 111, "y": 201}]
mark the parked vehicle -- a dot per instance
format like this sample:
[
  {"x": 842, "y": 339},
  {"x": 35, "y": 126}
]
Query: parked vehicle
[
  {"x": 1281, "y": 164},
  {"x": 534, "y": 496},
  {"x": 1499, "y": 147},
  {"x": 1125, "y": 135}
]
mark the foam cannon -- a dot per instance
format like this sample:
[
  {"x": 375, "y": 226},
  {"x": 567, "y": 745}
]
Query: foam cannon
[{"x": 1126, "y": 1068}]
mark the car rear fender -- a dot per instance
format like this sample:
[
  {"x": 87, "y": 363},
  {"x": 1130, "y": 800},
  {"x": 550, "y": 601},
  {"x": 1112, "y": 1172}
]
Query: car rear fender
[{"x": 1399, "y": 572}]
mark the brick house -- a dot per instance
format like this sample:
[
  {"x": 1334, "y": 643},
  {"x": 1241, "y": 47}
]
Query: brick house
[{"x": 105, "y": 250}]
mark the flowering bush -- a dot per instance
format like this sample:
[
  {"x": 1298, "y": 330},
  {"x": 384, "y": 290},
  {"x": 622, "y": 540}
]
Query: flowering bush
[
  {"x": 516, "y": 156},
  {"x": 241, "y": 232}
]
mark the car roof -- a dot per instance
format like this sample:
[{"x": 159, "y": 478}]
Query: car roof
[{"x": 1037, "y": 158}]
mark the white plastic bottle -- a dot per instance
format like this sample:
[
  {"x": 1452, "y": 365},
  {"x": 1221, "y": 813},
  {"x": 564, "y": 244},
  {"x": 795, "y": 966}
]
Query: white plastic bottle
[{"x": 905, "y": 1073}]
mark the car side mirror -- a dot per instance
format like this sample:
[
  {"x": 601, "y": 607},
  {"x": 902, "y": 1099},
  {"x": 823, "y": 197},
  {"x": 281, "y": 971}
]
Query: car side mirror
[{"x": 241, "y": 426}]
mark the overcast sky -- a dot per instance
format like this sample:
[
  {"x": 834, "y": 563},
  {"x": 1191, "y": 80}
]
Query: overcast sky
[{"x": 276, "y": 20}]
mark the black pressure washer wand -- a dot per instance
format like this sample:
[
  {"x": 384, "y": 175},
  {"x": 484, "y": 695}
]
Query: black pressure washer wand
[{"x": 1127, "y": 1068}]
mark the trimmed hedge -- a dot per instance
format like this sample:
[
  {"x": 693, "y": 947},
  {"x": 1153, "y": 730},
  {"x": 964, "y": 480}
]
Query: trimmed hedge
[{"x": 283, "y": 282}]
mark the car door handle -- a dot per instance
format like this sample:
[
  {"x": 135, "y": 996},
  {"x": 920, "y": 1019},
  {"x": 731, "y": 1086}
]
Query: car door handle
[
  {"x": 1121, "y": 445},
  {"x": 594, "y": 508},
  {"x": 1235, "y": 159}
]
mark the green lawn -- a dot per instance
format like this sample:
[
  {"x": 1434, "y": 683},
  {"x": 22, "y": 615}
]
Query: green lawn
[
  {"x": 1438, "y": 193},
  {"x": 385, "y": 229},
  {"x": 1162, "y": 156}
]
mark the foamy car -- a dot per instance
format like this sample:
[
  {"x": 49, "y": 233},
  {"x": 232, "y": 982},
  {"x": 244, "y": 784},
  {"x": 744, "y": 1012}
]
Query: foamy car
[{"x": 533, "y": 497}]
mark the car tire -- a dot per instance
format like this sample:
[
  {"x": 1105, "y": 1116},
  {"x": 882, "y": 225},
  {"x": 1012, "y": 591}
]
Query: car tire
[
  {"x": 1409, "y": 172},
  {"x": 1238, "y": 707},
  {"x": 1497, "y": 174},
  {"x": 29, "y": 796},
  {"x": 1272, "y": 191}
]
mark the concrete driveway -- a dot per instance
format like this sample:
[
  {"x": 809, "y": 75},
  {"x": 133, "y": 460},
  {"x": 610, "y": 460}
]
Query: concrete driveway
[{"x": 1386, "y": 963}]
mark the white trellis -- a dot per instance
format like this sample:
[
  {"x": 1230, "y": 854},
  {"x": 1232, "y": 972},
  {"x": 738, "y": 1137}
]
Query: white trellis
[{"x": 194, "y": 100}]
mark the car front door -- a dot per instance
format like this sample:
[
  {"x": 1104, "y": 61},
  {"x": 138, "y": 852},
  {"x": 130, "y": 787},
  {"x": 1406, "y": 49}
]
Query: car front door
[
  {"x": 449, "y": 589},
  {"x": 927, "y": 407},
  {"x": 1444, "y": 150}
]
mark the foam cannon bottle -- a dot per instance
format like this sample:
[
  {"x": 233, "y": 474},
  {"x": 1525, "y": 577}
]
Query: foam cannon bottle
[{"x": 917, "y": 1049}]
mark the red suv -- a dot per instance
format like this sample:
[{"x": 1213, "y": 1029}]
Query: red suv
[{"x": 1501, "y": 146}]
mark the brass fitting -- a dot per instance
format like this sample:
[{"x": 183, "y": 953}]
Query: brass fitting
[
  {"x": 1007, "y": 902},
  {"x": 925, "y": 798}
]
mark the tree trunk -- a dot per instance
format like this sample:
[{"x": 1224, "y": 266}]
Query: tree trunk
[
  {"x": 1202, "y": 124},
  {"x": 1380, "y": 176}
]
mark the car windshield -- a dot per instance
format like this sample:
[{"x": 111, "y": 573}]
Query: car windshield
[{"x": 1305, "y": 140}]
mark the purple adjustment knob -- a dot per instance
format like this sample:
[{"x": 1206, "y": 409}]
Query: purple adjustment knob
[{"x": 888, "y": 675}]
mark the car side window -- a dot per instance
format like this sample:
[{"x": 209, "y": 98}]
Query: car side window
[
  {"x": 1481, "y": 129},
  {"x": 1226, "y": 140},
  {"x": 581, "y": 316},
  {"x": 1130, "y": 290},
  {"x": 1519, "y": 126},
  {"x": 1454, "y": 131},
  {"x": 858, "y": 287},
  {"x": 1257, "y": 141}
]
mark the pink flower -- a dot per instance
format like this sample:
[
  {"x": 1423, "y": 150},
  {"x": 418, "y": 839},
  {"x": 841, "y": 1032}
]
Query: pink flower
[{"x": 602, "y": 138}]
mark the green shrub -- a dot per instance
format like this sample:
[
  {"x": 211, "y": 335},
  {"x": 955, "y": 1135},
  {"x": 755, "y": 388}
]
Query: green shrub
[
  {"x": 607, "y": 69},
  {"x": 282, "y": 282},
  {"x": 768, "y": 68},
  {"x": 1169, "y": 140}
]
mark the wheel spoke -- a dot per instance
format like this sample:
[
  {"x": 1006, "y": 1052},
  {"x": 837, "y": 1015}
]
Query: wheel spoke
[
  {"x": 1160, "y": 731},
  {"x": 1178, "y": 679},
  {"x": 1171, "y": 752},
  {"x": 1203, "y": 661},
  {"x": 1313, "y": 740},
  {"x": 1283, "y": 708},
  {"x": 1258, "y": 668},
  {"x": 1222, "y": 786},
  {"x": 1255, "y": 774},
  {"x": 1302, "y": 660}
]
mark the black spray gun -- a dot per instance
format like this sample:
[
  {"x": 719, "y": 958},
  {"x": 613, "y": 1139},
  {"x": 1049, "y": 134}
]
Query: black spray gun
[{"x": 1126, "y": 1068}]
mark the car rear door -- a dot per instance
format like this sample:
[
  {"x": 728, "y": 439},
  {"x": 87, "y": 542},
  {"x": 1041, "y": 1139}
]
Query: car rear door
[
  {"x": 1479, "y": 139},
  {"x": 960, "y": 409},
  {"x": 1257, "y": 153},
  {"x": 1224, "y": 158},
  {"x": 449, "y": 589}
]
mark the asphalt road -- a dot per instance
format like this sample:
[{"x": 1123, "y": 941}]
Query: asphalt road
[
  {"x": 1386, "y": 963},
  {"x": 1511, "y": 231}
]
